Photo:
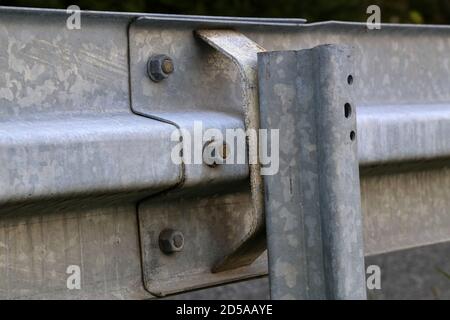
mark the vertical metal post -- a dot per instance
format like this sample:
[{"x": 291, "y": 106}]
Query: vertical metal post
[{"x": 313, "y": 209}]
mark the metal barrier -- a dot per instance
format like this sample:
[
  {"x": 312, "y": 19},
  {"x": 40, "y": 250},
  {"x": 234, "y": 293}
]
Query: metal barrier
[{"x": 87, "y": 120}]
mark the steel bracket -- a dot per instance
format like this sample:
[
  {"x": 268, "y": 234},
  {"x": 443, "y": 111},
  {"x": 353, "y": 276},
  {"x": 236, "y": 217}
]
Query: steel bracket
[{"x": 218, "y": 210}]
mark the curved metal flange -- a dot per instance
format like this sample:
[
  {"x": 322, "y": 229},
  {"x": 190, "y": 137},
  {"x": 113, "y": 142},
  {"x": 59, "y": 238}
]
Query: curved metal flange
[{"x": 243, "y": 52}]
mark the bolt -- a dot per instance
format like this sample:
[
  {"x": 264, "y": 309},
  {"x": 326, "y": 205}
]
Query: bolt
[
  {"x": 224, "y": 151},
  {"x": 215, "y": 153},
  {"x": 159, "y": 67},
  {"x": 171, "y": 241},
  {"x": 167, "y": 66}
]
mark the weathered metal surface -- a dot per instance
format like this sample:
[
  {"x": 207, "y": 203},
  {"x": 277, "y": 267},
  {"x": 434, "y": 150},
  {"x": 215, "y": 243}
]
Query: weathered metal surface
[
  {"x": 181, "y": 100},
  {"x": 247, "y": 228},
  {"x": 397, "y": 65},
  {"x": 160, "y": 17},
  {"x": 54, "y": 75},
  {"x": 406, "y": 209},
  {"x": 215, "y": 108},
  {"x": 37, "y": 249},
  {"x": 406, "y": 275},
  {"x": 66, "y": 127},
  {"x": 75, "y": 160},
  {"x": 243, "y": 52},
  {"x": 313, "y": 208},
  {"x": 50, "y": 71}
]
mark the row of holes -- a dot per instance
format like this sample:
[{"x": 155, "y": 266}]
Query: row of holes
[{"x": 348, "y": 109}]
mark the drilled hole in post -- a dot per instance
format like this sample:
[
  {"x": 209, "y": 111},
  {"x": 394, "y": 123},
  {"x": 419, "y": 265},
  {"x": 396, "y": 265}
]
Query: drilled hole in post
[
  {"x": 350, "y": 79},
  {"x": 352, "y": 135},
  {"x": 347, "y": 110}
]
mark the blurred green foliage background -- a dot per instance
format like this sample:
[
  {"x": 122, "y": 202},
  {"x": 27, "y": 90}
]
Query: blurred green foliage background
[{"x": 403, "y": 11}]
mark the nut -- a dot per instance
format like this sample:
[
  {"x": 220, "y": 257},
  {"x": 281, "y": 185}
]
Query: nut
[
  {"x": 159, "y": 67},
  {"x": 171, "y": 241}
]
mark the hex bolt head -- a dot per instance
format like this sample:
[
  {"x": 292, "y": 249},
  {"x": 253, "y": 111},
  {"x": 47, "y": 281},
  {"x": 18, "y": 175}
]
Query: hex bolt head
[
  {"x": 167, "y": 66},
  {"x": 171, "y": 241},
  {"x": 159, "y": 67}
]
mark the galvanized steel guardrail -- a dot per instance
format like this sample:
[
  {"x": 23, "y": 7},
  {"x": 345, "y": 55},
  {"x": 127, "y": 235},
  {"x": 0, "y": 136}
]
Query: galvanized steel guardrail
[{"x": 87, "y": 177}]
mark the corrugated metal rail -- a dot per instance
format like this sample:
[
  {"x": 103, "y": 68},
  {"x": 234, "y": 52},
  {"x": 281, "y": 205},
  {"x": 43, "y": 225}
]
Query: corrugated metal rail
[{"x": 86, "y": 137}]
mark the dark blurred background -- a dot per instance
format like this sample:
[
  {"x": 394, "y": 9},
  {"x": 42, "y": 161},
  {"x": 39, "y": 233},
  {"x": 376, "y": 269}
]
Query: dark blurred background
[{"x": 402, "y": 11}]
